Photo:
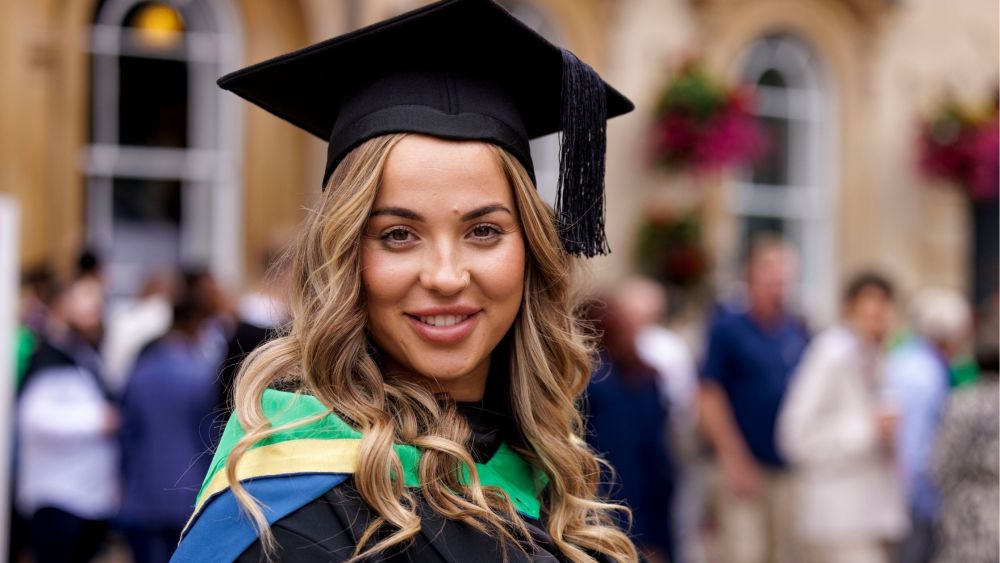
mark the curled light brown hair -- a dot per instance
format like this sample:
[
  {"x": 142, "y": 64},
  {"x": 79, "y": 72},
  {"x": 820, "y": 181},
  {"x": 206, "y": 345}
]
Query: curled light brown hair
[{"x": 327, "y": 352}]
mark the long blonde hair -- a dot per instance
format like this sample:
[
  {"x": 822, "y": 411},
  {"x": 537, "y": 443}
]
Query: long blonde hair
[{"x": 327, "y": 352}]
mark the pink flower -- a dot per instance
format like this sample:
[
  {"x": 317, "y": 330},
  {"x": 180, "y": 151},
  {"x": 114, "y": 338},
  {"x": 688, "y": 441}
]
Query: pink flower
[
  {"x": 704, "y": 126},
  {"x": 963, "y": 152},
  {"x": 984, "y": 155},
  {"x": 729, "y": 137}
]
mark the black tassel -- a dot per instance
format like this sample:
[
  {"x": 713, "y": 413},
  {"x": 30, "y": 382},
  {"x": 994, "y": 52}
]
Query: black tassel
[{"x": 580, "y": 199}]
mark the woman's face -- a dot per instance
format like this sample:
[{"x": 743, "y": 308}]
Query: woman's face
[{"x": 443, "y": 262}]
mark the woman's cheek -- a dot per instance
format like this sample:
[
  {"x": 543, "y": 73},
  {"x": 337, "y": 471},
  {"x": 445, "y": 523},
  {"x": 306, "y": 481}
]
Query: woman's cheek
[
  {"x": 502, "y": 273},
  {"x": 386, "y": 276}
]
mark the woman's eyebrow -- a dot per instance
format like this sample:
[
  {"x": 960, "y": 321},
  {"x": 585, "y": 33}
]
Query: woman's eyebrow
[
  {"x": 413, "y": 215},
  {"x": 398, "y": 212},
  {"x": 485, "y": 210}
]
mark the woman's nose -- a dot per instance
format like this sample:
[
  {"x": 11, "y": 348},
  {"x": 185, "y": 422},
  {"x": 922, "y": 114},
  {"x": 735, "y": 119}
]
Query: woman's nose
[{"x": 444, "y": 272}]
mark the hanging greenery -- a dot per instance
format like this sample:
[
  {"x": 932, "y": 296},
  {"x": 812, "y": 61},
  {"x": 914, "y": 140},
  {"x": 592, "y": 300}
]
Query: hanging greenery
[
  {"x": 961, "y": 144},
  {"x": 669, "y": 248},
  {"x": 703, "y": 125}
]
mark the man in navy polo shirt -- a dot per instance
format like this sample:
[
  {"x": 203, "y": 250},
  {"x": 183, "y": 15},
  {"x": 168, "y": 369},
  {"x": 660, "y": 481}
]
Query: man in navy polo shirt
[{"x": 752, "y": 353}]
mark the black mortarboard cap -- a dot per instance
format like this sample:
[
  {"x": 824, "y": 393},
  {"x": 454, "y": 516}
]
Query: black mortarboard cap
[{"x": 455, "y": 69}]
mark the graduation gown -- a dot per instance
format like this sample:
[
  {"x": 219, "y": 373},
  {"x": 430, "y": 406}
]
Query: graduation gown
[{"x": 304, "y": 477}]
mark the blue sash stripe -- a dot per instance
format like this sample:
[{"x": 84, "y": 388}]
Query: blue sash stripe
[{"x": 221, "y": 532}]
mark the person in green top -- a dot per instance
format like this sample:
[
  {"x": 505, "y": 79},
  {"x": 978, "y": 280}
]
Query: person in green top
[
  {"x": 421, "y": 405},
  {"x": 25, "y": 343}
]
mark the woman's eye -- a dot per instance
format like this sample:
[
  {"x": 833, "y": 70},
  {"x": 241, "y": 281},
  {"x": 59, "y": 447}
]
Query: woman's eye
[
  {"x": 397, "y": 236},
  {"x": 485, "y": 232}
]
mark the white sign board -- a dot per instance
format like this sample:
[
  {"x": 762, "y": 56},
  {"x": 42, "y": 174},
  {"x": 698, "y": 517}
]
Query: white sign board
[{"x": 9, "y": 267}]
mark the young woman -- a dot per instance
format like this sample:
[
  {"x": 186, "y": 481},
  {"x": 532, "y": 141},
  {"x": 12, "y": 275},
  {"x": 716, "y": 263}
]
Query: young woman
[{"x": 421, "y": 405}]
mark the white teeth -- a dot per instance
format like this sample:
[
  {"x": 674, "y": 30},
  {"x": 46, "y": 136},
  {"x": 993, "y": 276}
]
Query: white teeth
[{"x": 443, "y": 320}]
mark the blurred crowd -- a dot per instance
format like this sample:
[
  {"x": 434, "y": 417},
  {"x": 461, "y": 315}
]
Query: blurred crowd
[
  {"x": 119, "y": 406},
  {"x": 874, "y": 440},
  {"x": 760, "y": 440}
]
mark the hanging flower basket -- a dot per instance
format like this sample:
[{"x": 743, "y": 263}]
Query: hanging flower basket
[
  {"x": 962, "y": 145},
  {"x": 702, "y": 125},
  {"x": 669, "y": 249}
]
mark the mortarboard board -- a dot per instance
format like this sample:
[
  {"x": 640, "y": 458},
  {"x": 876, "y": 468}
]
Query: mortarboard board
[{"x": 455, "y": 69}]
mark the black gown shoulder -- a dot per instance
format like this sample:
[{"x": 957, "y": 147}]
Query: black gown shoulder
[{"x": 328, "y": 528}]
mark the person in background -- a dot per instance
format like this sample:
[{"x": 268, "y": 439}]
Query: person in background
[
  {"x": 201, "y": 287},
  {"x": 917, "y": 386},
  {"x": 39, "y": 287},
  {"x": 67, "y": 471},
  {"x": 669, "y": 355},
  {"x": 965, "y": 460},
  {"x": 751, "y": 355},
  {"x": 166, "y": 434},
  {"x": 835, "y": 432},
  {"x": 89, "y": 267},
  {"x": 259, "y": 315},
  {"x": 38, "y": 290},
  {"x": 135, "y": 325},
  {"x": 627, "y": 423}
]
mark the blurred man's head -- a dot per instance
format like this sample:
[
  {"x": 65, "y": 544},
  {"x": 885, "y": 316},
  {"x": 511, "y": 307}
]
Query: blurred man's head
[
  {"x": 80, "y": 307},
  {"x": 616, "y": 330},
  {"x": 158, "y": 284},
  {"x": 188, "y": 315},
  {"x": 770, "y": 270},
  {"x": 641, "y": 300},
  {"x": 868, "y": 306},
  {"x": 41, "y": 283},
  {"x": 942, "y": 317},
  {"x": 89, "y": 265},
  {"x": 200, "y": 286}
]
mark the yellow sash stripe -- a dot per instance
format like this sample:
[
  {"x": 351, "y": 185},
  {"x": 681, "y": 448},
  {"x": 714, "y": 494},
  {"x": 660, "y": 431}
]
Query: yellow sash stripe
[{"x": 287, "y": 458}]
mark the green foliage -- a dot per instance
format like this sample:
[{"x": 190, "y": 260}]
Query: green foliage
[{"x": 693, "y": 92}]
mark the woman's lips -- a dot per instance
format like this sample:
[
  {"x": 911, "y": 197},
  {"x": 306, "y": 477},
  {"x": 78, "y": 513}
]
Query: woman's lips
[{"x": 451, "y": 334}]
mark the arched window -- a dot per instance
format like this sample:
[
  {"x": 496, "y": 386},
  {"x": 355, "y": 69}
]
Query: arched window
[
  {"x": 790, "y": 191},
  {"x": 162, "y": 159}
]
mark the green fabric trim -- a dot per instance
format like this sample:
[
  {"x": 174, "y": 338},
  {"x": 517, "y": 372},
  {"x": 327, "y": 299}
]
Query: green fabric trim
[
  {"x": 964, "y": 371},
  {"x": 506, "y": 469},
  {"x": 24, "y": 345}
]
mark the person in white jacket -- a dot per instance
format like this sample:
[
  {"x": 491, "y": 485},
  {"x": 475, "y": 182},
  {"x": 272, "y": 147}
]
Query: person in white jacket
[
  {"x": 836, "y": 431},
  {"x": 67, "y": 464}
]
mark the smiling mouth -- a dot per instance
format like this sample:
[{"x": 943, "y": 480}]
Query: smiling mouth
[
  {"x": 445, "y": 329},
  {"x": 442, "y": 320}
]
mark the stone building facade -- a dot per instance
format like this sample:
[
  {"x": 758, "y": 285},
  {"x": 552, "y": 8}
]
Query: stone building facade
[{"x": 88, "y": 164}]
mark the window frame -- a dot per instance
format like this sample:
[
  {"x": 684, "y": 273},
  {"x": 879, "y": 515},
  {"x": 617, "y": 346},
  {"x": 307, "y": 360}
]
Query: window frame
[
  {"x": 807, "y": 203},
  {"x": 209, "y": 168}
]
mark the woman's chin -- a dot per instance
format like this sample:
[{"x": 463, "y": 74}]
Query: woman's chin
[{"x": 462, "y": 380}]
